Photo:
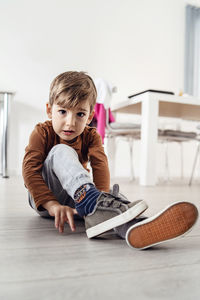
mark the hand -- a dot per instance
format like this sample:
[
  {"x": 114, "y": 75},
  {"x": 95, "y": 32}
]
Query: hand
[{"x": 62, "y": 214}]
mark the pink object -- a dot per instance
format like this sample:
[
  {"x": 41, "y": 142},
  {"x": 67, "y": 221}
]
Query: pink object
[{"x": 100, "y": 117}]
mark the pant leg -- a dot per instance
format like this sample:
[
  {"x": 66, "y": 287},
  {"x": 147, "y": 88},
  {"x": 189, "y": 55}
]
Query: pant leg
[
  {"x": 64, "y": 163},
  {"x": 63, "y": 174}
]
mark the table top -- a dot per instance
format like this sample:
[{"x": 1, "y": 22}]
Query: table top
[{"x": 169, "y": 106}]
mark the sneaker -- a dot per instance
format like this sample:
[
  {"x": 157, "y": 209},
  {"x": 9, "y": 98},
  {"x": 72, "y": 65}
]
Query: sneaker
[
  {"x": 110, "y": 212},
  {"x": 116, "y": 193},
  {"x": 174, "y": 221},
  {"x": 122, "y": 229}
]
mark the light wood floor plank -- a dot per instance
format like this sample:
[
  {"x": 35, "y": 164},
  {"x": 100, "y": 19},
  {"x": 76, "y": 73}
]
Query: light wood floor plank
[{"x": 36, "y": 262}]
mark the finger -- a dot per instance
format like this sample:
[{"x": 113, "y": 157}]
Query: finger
[
  {"x": 57, "y": 219},
  {"x": 75, "y": 211},
  {"x": 71, "y": 220},
  {"x": 62, "y": 221}
]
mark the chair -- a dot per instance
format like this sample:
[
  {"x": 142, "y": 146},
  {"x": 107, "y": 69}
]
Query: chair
[
  {"x": 196, "y": 156},
  {"x": 120, "y": 131},
  {"x": 115, "y": 130},
  {"x": 169, "y": 136}
]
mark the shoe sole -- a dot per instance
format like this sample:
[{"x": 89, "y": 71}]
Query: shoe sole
[
  {"x": 174, "y": 221},
  {"x": 127, "y": 216}
]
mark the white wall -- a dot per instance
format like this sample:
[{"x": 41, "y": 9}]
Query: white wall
[{"x": 136, "y": 44}]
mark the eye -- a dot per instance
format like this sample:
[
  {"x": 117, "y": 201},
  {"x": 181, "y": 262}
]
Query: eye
[
  {"x": 62, "y": 111},
  {"x": 81, "y": 114}
]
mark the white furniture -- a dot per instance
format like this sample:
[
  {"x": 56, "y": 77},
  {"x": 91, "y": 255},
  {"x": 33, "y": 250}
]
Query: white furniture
[
  {"x": 4, "y": 106},
  {"x": 152, "y": 105}
]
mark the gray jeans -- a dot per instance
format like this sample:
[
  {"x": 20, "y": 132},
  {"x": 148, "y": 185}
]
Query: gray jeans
[{"x": 63, "y": 174}]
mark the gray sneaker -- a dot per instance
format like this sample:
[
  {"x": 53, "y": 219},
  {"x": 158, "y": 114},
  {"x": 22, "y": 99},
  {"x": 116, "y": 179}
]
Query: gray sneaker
[
  {"x": 116, "y": 193},
  {"x": 122, "y": 229},
  {"x": 111, "y": 211}
]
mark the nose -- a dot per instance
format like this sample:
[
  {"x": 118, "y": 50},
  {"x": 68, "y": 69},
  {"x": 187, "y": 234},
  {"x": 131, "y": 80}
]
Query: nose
[{"x": 70, "y": 119}]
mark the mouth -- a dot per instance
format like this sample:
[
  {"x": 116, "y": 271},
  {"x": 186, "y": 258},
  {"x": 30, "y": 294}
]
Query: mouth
[{"x": 68, "y": 132}]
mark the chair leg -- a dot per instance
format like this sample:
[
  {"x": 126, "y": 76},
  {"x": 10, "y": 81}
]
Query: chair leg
[
  {"x": 166, "y": 161},
  {"x": 194, "y": 164},
  {"x": 131, "y": 158},
  {"x": 181, "y": 151}
]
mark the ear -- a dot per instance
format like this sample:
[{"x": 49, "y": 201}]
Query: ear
[
  {"x": 49, "y": 110},
  {"x": 90, "y": 117}
]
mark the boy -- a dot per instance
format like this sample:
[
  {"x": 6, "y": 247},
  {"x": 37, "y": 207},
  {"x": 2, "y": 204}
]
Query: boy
[{"x": 56, "y": 175}]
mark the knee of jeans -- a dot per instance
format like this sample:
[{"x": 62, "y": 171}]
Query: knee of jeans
[{"x": 60, "y": 148}]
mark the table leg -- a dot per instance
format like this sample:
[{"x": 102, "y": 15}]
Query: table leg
[
  {"x": 149, "y": 133},
  {"x": 1, "y": 137},
  {"x": 4, "y": 136}
]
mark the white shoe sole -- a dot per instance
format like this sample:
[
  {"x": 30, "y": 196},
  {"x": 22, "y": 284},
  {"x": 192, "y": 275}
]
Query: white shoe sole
[
  {"x": 174, "y": 221},
  {"x": 125, "y": 217}
]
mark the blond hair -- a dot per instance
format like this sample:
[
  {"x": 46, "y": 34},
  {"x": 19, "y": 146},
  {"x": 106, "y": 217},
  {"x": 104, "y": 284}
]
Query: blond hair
[{"x": 70, "y": 88}]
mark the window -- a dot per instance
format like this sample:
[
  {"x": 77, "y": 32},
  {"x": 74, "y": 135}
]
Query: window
[{"x": 192, "y": 51}]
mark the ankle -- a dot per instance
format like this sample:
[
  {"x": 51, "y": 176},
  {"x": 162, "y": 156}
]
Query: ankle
[{"x": 85, "y": 199}]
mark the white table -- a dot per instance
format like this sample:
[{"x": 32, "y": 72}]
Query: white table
[{"x": 151, "y": 106}]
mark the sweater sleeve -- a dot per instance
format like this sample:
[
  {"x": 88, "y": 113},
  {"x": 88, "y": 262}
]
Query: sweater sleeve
[
  {"x": 99, "y": 162},
  {"x": 35, "y": 154}
]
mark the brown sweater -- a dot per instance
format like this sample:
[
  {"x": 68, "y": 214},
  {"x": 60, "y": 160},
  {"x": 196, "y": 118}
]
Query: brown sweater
[{"x": 88, "y": 147}]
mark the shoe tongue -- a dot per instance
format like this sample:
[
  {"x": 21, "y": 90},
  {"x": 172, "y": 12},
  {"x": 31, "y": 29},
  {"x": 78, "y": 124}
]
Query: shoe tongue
[
  {"x": 117, "y": 194},
  {"x": 116, "y": 190}
]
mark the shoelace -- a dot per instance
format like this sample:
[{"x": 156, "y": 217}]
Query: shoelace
[
  {"x": 111, "y": 202},
  {"x": 115, "y": 202}
]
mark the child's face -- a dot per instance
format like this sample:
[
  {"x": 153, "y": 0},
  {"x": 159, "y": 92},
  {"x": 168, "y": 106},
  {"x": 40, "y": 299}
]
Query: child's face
[{"x": 69, "y": 123}]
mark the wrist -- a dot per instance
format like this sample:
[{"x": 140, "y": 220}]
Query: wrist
[{"x": 47, "y": 205}]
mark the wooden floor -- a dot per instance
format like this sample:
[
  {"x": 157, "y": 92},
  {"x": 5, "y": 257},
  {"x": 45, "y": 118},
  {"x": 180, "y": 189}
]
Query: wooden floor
[{"x": 36, "y": 262}]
